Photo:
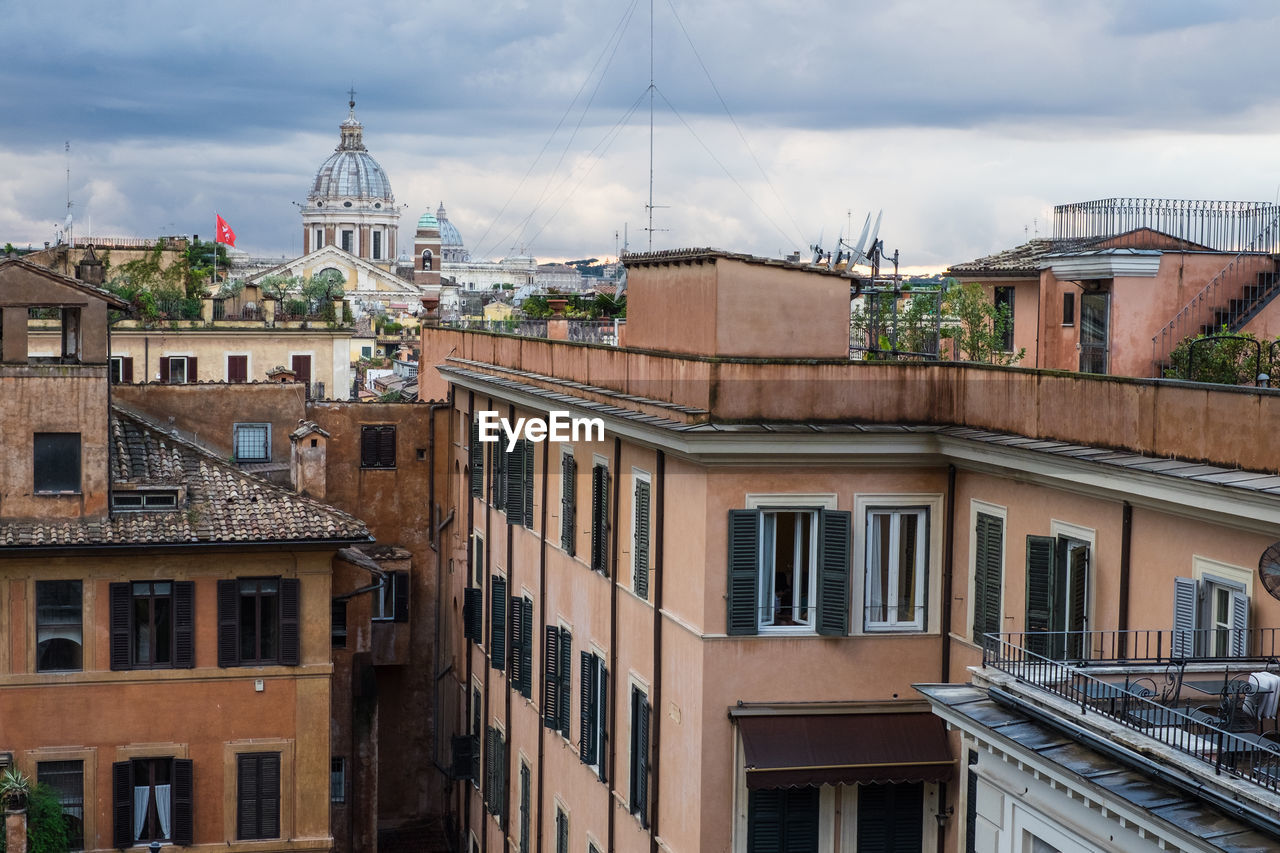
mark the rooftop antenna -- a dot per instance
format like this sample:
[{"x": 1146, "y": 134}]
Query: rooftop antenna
[
  {"x": 68, "y": 227},
  {"x": 650, "y": 206}
]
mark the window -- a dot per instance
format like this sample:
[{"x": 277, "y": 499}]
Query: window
[
  {"x": 890, "y": 817},
  {"x": 377, "y": 245},
  {"x": 640, "y": 538},
  {"x": 786, "y": 819},
  {"x": 556, "y": 675},
  {"x": 1057, "y": 596},
  {"x": 366, "y": 352},
  {"x": 476, "y": 705},
  {"x": 152, "y": 625},
  {"x": 338, "y": 623},
  {"x": 56, "y": 462},
  {"x": 301, "y": 367},
  {"x": 348, "y": 240},
  {"x": 142, "y": 500},
  {"x": 252, "y": 442},
  {"x": 178, "y": 369},
  {"x": 477, "y": 558},
  {"x": 497, "y": 476},
  {"x": 378, "y": 446},
  {"x": 237, "y": 368},
  {"x": 392, "y": 601},
  {"x": 151, "y": 799},
  {"x": 1069, "y": 308},
  {"x": 258, "y": 621},
  {"x": 338, "y": 779},
  {"x": 1210, "y": 616},
  {"x": 568, "y": 503},
  {"x": 595, "y": 693},
  {"x": 121, "y": 369},
  {"x": 319, "y": 239},
  {"x": 498, "y": 623},
  {"x": 522, "y": 645},
  {"x": 638, "y": 801},
  {"x": 475, "y": 460},
  {"x": 59, "y": 630},
  {"x": 426, "y": 260},
  {"x": 473, "y": 614},
  {"x": 562, "y": 831},
  {"x": 600, "y": 519},
  {"x": 897, "y": 550},
  {"x": 258, "y": 795},
  {"x": 518, "y": 483},
  {"x": 495, "y": 775},
  {"x": 66, "y": 780},
  {"x": 988, "y": 567},
  {"x": 524, "y": 807},
  {"x": 788, "y": 571},
  {"x": 1004, "y": 317}
]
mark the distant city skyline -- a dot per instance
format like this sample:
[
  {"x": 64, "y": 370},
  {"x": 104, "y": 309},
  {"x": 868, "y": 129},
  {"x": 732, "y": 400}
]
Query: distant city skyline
[{"x": 529, "y": 120}]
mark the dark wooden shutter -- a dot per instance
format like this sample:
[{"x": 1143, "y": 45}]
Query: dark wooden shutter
[
  {"x": 890, "y": 817},
  {"x": 121, "y": 612},
  {"x": 368, "y": 447},
  {"x": 269, "y": 795},
  {"x": 475, "y": 460},
  {"x": 228, "y": 623},
  {"x": 987, "y": 581},
  {"x": 641, "y": 545},
  {"x": 971, "y": 805},
  {"x": 786, "y": 820},
  {"x": 472, "y": 605},
  {"x": 562, "y": 832},
  {"x": 248, "y": 789},
  {"x": 640, "y": 756},
  {"x": 528, "y": 484},
  {"x": 515, "y": 483},
  {"x": 600, "y": 519},
  {"x": 834, "y": 530},
  {"x": 301, "y": 365},
  {"x": 193, "y": 373},
  {"x": 183, "y": 802},
  {"x": 587, "y": 739},
  {"x": 400, "y": 592},
  {"x": 290, "y": 621},
  {"x": 126, "y": 369},
  {"x": 122, "y": 804},
  {"x": 461, "y": 748},
  {"x": 237, "y": 368},
  {"x": 498, "y": 624},
  {"x": 526, "y": 684},
  {"x": 568, "y": 504},
  {"x": 164, "y": 370},
  {"x": 386, "y": 437},
  {"x": 184, "y": 617},
  {"x": 743, "y": 591},
  {"x": 517, "y": 643},
  {"x": 551, "y": 678},
  {"x": 565, "y": 661},
  {"x": 1041, "y": 560},
  {"x": 1076, "y": 563}
]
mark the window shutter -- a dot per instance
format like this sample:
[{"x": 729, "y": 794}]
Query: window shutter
[
  {"x": 247, "y": 796},
  {"x": 500, "y": 789},
  {"x": 764, "y": 820},
  {"x": 524, "y": 807},
  {"x": 490, "y": 762},
  {"x": 386, "y": 446},
  {"x": 122, "y": 804},
  {"x": 587, "y": 738},
  {"x": 971, "y": 806},
  {"x": 269, "y": 802},
  {"x": 290, "y": 618},
  {"x": 517, "y": 643},
  {"x": 472, "y": 606},
  {"x": 640, "y": 760},
  {"x": 1185, "y": 598},
  {"x": 551, "y": 679},
  {"x": 515, "y": 483},
  {"x": 368, "y": 447},
  {"x": 461, "y": 748},
  {"x": 568, "y": 504},
  {"x": 192, "y": 373},
  {"x": 183, "y": 802},
  {"x": 987, "y": 581},
  {"x": 1076, "y": 563},
  {"x": 121, "y": 610},
  {"x": 526, "y": 641},
  {"x": 1239, "y": 624},
  {"x": 743, "y": 591},
  {"x": 833, "y": 573},
  {"x": 1041, "y": 552},
  {"x": 164, "y": 370},
  {"x": 528, "y": 484},
  {"x": 498, "y": 624},
  {"x": 400, "y": 592},
  {"x": 601, "y": 698},
  {"x": 641, "y": 545},
  {"x": 126, "y": 369},
  {"x": 184, "y": 650},
  {"x": 562, "y": 832},
  {"x": 565, "y": 660},
  {"x": 600, "y": 519},
  {"x": 228, "y": 623},
  {"x": 475, "y": 460}
]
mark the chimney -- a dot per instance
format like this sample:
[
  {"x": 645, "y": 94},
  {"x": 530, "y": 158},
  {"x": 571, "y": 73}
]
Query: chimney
[{"x": 307, "y": 459}]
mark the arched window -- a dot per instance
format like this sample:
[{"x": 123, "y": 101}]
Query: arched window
[{"x": 426, "y": 260}]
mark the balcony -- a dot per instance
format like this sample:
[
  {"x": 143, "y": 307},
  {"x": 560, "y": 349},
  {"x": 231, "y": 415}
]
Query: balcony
[{"x": 1164, "y": 698}]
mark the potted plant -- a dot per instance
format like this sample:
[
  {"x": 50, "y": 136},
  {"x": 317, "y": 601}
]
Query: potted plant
[{"x": 15, "y": 786}]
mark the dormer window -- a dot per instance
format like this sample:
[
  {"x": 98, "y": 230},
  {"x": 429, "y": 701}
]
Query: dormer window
[{"x": 157, "y": 500}]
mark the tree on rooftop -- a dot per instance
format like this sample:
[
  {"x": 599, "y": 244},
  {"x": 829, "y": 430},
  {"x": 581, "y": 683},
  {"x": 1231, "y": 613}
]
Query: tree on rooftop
[
  {"x": 1232, "y": 359},
  {"x": 980, "y": 326}
]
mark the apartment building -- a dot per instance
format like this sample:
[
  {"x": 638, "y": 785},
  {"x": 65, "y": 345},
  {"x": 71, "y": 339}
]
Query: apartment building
[
  {"x": 700, "y": 629},
  {"x": 165, "y": 656}
]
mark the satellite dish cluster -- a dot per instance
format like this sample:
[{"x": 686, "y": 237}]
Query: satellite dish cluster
[{"x": 863, "y": 253}]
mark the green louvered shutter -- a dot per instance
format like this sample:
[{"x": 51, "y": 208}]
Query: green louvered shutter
[
  {"x": 517, "y": 643},
  {"x": 1076, "y": 562},
  {"x": 587, "y": 740},
  {"x": 526, "y": 684},
  {"x": 1185, "y": 598},
  {"x": 551, "y": 679},
  {"x": 528, "y": 484},
  {"x": 498, "y": 624},
  {"x": 987, "y": 580},
  {"x": 475, "y": 461},
  {"x": 568, "y": 504},
  {"x": 565, "y": 662},
  {"x": 1041, "y": 578},
  {"x": 833, "y": 573},
  {"x": 472, "y": 613},
  {"x": 515, "y": 483},
  {"x": 641, "y": 545},
  {"x": 744, "y": 571},
  {"x": 600, "y": 519}
]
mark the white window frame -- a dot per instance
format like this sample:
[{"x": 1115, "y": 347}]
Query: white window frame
[
  {"x": 116, "y": 363},
  {"x": 765, "y": 503},
  {"x": 888, "y": 602},
  {"x": 862, "y": 503},
  {"x": 975, "y": 507},
  {"x": 1066, "y": 530},
  {"x": 235, "y": 441},
  {"x": 638, "y": 476},
  {"x": 1211, "y": 576},
  {"x": 186, "y": 361}
]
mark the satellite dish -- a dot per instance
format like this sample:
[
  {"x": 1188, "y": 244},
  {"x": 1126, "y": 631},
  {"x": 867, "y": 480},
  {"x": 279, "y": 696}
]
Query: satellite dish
[{"x": 1269, "y": 570}]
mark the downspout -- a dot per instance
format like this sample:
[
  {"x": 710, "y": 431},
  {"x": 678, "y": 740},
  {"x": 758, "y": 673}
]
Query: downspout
[
  {"x": 465, "y": 795},
  {"x": 655, "y": 711},
  {"x": 485, "y": 657},
  {"x": 1126, "y": 543},
  {"x": 436, "y": 529},
  {"x": 610, "y": 712},
  {"x": 542, "y": 621},
  {"x": 948, "y": 567},
  {"x": 505, "y": 823}
]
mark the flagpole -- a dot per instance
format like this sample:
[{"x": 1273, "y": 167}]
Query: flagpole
[{"x": 213, "y": 285}]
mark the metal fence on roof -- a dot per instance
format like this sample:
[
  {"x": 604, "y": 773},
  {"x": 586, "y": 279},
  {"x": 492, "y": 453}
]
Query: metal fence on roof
[{"x": 1224, "y": 226}]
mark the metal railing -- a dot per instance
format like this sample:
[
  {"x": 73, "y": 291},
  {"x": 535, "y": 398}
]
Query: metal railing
[
  {"x": 1222, "y": 226},
  {"x": 1152, "y": 711},
  {"x": 593, "y": 332}
]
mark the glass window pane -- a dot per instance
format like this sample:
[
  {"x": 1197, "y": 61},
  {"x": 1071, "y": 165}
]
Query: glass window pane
[
  {"x": 142, "y": 650},
  {"x": 269, "y": 625},
  {"x": 59, "y": 633},
  {"x": 163, "y": 609},
  {"x": 66, "y": 779},
  {"x": 907, "y": 548},
  {"x": 248, "y": 627}
]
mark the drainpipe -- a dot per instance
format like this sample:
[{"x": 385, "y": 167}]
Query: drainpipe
[
  {"x": 505, "y": 823},
  {"x": 611, "y": 710},
  {"x": 436, "y": 530},
  {"x": 948, "y": 567},
  {"x": 1126, "y": 543},
  {"x": 464, "y": 841},
  {"x": 655, "y": 711},
  {"x": 542, "y": 621}
]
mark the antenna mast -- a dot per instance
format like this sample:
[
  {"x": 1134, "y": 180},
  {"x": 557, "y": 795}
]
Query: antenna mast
[
  {"x": 70, "y": 236},
  {"x": 650, "y": 206}
]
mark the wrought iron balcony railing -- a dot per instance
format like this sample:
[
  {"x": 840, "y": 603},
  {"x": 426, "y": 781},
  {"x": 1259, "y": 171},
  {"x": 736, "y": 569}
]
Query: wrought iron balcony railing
[{"x": 1223, "y": 226}]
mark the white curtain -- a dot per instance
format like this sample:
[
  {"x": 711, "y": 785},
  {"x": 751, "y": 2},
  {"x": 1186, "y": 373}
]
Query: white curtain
[
  {"x": 140, "y": 795},
  {"x": 162, "y": 808}
]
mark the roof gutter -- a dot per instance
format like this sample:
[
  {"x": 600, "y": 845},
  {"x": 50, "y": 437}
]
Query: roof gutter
[{"x": 151, "y": 548}]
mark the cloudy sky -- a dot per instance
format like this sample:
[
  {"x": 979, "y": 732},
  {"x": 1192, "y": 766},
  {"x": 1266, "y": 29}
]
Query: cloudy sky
[{"x": 964, "y": 122}]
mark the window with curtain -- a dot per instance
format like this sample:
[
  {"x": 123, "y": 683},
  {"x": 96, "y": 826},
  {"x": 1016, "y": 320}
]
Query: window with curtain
[{"x": 897, "y": 548}]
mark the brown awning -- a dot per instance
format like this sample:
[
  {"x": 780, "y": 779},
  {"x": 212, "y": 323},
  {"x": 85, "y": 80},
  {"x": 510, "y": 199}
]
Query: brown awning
[{"x": 788, "y": 751}]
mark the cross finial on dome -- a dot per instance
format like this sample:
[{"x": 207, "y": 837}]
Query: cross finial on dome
[{"x": 351, "y": 104}]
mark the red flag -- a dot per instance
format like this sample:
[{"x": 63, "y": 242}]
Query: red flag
[{"x": 224, "y": 233}]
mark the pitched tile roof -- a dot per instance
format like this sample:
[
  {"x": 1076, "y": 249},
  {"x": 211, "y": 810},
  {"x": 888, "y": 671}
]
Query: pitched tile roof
[
  {"x": 219, "y": 504},
  {"x": 1020, "y": 260}
]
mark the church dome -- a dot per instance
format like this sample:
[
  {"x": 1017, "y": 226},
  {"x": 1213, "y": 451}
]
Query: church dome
[
  {"x": 350, "y": 172},
  {"x": 449, "y": 234},
  {"x": 427, "y": 221}
]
